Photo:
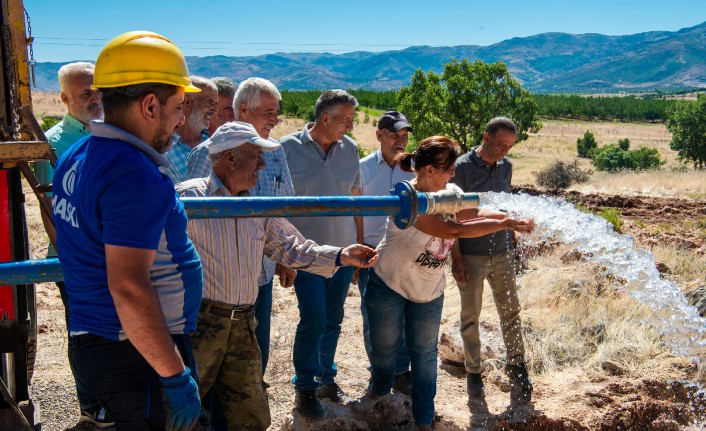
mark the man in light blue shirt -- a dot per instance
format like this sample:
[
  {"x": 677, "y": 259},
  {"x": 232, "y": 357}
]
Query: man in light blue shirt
[
  {"x": 198, "y": 110},
  {"x": 379, "y": 171},
  {"x": 83, "y": 105}
]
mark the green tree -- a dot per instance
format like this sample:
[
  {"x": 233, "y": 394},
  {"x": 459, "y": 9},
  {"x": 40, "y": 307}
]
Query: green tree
[
  {"x": 461, "y": 101},
  {"x": 687, "y": 123},
  {"x": 586, "y": 146}
]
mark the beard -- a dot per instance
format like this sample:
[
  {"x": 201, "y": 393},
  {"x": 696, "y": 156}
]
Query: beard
[
  {"x": 94, "y": 111},
  {"x": 196, "y": 122},
  {"x": 163, "y": 141}
]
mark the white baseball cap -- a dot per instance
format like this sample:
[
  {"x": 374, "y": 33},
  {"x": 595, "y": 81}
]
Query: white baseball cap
[{"x": 235, "y": 134}]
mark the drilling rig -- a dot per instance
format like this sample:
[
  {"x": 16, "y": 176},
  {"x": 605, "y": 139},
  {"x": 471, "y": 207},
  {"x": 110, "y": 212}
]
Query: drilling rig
[{"x": 21, "y": 142}]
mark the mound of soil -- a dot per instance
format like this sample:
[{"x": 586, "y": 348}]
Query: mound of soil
[{"x": 679, "y": 217}]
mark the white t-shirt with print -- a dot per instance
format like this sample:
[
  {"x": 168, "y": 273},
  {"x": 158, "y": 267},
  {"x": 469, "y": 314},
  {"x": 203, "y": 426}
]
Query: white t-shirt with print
[{"x": 412, "y": 262}]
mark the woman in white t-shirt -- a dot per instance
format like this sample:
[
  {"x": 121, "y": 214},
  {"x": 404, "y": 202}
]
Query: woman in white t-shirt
[{"x": 406, "y": 287}]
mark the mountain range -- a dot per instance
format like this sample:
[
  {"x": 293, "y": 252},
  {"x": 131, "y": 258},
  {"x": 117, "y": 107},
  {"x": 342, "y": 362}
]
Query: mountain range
[{"x": 544, "y": 63}]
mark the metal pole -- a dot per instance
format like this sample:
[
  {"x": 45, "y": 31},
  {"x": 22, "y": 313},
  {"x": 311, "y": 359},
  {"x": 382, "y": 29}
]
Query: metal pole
[{"x": 404, "y": 206}]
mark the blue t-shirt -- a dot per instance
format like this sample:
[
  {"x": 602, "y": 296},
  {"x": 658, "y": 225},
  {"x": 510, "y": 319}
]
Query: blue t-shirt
[{"x": 109, "y": 190}]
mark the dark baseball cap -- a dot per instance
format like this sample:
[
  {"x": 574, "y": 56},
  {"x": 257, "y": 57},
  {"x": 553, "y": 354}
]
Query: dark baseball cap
[{"x": 393, "y": 121}]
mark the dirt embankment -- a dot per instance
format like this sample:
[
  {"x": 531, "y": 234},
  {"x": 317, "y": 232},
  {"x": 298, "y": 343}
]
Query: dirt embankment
[{"x": 649, "y": 219}]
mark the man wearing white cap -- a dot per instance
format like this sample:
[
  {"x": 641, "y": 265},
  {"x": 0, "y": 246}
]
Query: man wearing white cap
[{"x": 225, "y": 346}]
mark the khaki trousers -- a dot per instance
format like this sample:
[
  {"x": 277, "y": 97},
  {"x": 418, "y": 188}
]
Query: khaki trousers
[
  {"x": 499, "y": 270},
  {"x": 228, "y": 357}
]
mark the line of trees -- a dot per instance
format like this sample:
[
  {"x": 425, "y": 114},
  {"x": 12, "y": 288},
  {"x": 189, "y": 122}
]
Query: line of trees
[
  {"x": 459, "y": 102},
  {"x": 628, "y": 108}
]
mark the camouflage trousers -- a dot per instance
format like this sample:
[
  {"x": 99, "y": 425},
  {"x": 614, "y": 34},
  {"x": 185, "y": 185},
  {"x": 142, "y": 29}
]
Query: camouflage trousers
[{"x": 228, "y": 358}]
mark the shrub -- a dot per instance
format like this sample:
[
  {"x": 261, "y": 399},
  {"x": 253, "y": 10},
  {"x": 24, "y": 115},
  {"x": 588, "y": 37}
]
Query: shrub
[
  {"x": 48, "y": 123},
  {"x": 612, "y": 158},
  {"x": 647, "y": 158},
  {"x": 560, "y": 175},
  {"x": 587, "y": 145},
  {"x": 624, "y": 144}
]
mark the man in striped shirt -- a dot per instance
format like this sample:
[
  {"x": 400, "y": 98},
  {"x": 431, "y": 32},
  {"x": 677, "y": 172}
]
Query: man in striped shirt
[{"x": 225, "y": 345}]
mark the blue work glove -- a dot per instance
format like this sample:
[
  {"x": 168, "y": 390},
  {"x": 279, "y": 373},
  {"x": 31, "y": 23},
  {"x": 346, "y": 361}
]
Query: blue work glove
[{"x": 181, "y": 398}]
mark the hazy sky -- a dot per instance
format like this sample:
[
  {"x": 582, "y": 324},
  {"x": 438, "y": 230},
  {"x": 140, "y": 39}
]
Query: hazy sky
[{"x": 237, "y": 28}]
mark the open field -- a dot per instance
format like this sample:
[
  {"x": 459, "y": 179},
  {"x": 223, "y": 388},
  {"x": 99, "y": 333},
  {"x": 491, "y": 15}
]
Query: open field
[
  {"x": 595, "y": 362},
  {"x": 555, "y": 141}
]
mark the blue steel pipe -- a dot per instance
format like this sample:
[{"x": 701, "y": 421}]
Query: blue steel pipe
[
  {"x": 310, "y": 206},
  {"x": 404, "y": 204}
]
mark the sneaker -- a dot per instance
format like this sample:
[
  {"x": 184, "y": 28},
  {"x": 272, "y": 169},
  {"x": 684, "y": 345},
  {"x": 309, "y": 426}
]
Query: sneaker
[
  {"x": 308, "y": 405},
  {"x": 474, "y": 385},
  {"x": 334, "y": 393},
  {"x": 366, "y": 404},
  {"x": 97, "y": 416},
  {"x": 403, "y": 383},
  {"x": 520, "y": 381}
]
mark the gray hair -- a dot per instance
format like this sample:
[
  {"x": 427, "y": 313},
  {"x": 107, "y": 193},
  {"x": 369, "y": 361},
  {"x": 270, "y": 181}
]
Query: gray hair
[
  {"x": 500, "y": 123},
  {"x": 330, "y": 99},
  {"x": 216, "y": 157},
  {"x": 226, "y": 86},
  {"x": 200, "y": 82},
  {"x": 68, "y": 71},
  {"x": 249, "y": 93}
]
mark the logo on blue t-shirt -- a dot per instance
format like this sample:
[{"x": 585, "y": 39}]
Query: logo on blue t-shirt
[
  {"x": 60, "y": 206},
  {"x": 69, "y": 180}
]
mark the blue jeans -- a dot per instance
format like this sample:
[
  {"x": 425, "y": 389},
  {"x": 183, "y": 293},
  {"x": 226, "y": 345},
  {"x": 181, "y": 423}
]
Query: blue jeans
[
  {"x": 263, "y": 314},
  {"x": 320, "y": 315},
  {"x": 390, "y": 314},
  {"x": 402, "y": 358}
]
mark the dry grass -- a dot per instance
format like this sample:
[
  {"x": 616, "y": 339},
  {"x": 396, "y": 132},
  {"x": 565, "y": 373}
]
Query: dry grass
[
  {"x": 686, "y": 268},
  {"x": 577, "y": 319},
  {"x": 47, "y": 104}
]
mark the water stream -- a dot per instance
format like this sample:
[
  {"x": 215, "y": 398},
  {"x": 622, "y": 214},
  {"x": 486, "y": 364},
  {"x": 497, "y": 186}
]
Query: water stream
[{"x": 683, "y": 330}]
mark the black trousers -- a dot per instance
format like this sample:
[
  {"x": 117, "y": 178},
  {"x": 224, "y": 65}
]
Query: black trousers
[{"x": 122, "y": 380}]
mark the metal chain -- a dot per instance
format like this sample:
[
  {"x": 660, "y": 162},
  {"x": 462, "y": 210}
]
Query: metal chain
[
  {"x": 14, "y": 127},
  {"x": 30, "y": 40}
]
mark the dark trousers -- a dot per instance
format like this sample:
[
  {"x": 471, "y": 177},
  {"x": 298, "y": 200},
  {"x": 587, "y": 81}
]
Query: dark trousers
[
  {"x": 122, "y": 380},
  {"x": 85, "y": 401},
  {"x": 263, "y": 314}
]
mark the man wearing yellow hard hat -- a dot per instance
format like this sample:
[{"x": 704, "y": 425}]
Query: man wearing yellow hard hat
[{"x": 132, "y": 276}]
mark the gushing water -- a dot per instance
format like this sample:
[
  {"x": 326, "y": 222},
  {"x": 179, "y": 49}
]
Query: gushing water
[{"x": 683, "y": 330}]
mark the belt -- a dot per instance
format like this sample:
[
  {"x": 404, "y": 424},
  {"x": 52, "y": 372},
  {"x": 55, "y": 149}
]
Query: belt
[{"x": 233, "y": 312}]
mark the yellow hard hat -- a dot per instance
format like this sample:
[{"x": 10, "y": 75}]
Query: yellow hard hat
[{"x": 139, "y": 57}]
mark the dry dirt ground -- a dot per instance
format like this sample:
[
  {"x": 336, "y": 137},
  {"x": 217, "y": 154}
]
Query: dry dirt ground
[
  {"x": 639, "y": 388},
  {"x": 571, "y": 398}
]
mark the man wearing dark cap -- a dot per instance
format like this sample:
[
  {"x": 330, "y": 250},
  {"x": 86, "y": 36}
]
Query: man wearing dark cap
[{"x": 378, "y": 173}]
